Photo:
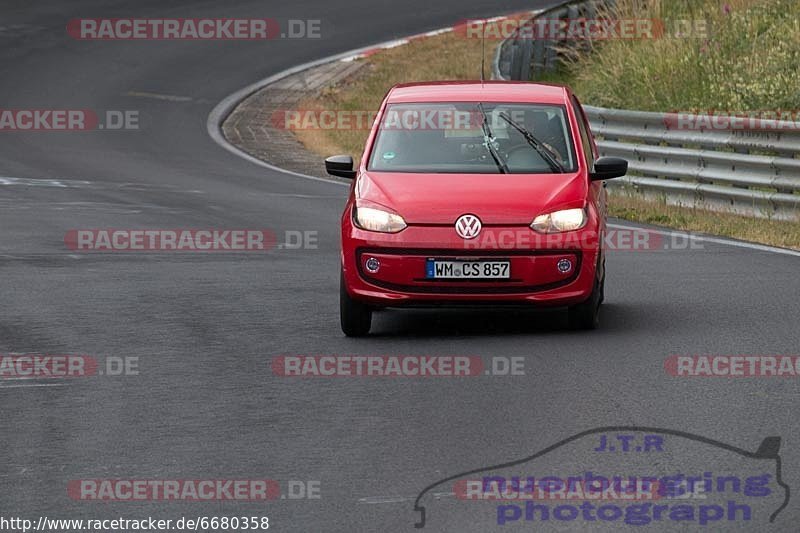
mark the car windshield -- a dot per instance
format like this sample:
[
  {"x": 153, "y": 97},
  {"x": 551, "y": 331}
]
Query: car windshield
[{"x": 473, "y": 138}]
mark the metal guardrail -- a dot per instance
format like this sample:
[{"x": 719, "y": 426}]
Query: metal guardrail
[
  {"x": 522, "y": 56},
  {"x": 750, "y": 171}
]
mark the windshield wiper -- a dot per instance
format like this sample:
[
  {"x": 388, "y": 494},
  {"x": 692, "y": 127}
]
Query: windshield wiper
[
  {"x": 488, "y": 138},
  {"x": 543, "y": 150}
]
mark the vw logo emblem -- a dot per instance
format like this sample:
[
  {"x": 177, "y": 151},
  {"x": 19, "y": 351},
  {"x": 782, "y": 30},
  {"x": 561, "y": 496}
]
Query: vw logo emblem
[{"x": 468, "y": 226}]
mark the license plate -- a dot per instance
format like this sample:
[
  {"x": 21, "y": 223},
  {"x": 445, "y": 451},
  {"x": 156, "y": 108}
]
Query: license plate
[{"x": 439, "y": 269}]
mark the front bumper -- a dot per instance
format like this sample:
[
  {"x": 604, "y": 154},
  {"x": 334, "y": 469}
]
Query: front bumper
[{"x": 534, "y": 275}]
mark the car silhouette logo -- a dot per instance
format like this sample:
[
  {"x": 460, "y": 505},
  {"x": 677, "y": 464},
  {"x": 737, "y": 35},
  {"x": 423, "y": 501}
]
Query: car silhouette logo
[
  {"x": 768, "y": 451},
  {"x": 468, "y": 226}
]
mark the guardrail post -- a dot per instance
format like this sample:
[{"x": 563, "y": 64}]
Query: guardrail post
[
  {"x": 516, "y": 61},
  {"x": 589, "y": 13},
  {"x": 572, "y": 12},
  {"x": 525, "y": 59},
  {"x": 551, "y": 54},
  {"x": 538, "y": 57}
]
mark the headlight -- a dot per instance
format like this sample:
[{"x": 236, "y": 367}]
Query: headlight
[
  {"x": 566, "y": 220},
  {"x": 372, "y": 219}
]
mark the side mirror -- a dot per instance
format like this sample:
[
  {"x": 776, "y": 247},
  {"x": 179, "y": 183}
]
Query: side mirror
[
  {"x": 607, "y": 168},
  {"x": 341, "y": 166}
]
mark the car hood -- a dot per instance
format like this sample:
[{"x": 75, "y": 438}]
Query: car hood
[{"x": 507, "y": 199}]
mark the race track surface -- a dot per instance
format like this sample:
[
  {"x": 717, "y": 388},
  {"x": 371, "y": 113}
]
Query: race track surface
[{"x": 205, "y": 403}]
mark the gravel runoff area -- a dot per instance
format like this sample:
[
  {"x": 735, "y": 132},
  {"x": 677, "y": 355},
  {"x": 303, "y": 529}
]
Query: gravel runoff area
[{"x": 250, "y": 125}]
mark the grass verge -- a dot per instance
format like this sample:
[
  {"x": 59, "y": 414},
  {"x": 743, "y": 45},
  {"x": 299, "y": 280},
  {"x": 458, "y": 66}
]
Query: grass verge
[
  {"x": 730, "y": 56},
  {"x": 773, "y": 232}
]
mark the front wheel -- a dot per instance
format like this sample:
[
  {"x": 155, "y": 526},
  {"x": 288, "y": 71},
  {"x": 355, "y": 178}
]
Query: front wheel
[
  {"x": 356, "y": 317},
  {"x": 586, "y": 315}
]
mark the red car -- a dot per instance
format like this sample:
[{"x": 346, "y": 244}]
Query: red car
[{"x": 475, "y": 193}]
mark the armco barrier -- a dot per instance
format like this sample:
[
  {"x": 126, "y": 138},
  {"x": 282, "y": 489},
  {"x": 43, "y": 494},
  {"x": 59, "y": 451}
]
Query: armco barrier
[{"x": 748, "y": 170}]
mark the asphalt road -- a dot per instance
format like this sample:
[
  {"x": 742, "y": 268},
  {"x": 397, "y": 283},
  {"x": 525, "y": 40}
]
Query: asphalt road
[{"x": 205, "y": 404}]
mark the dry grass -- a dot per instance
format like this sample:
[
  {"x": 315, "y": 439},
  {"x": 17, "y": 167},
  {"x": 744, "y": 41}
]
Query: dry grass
[
  {"x": 743, "y": 55},
  {"x": 772, "y": 232}
]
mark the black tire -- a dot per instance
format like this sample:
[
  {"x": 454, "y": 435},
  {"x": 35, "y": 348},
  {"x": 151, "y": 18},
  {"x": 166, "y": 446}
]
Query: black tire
[
  {"x": 586, "y": 315},
  {"x": 603, "y": 284},
  {"x": 356, "y": 317}
]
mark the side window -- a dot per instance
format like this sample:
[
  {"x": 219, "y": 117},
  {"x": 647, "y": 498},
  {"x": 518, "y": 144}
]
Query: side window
[{"x": 584, "y": 132}]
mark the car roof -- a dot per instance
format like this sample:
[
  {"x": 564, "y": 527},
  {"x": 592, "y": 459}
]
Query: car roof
[{"x": 477, "y": 91}]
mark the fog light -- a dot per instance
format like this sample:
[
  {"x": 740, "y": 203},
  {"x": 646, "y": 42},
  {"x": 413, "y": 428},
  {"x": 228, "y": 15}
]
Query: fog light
[
  {"x": 564, "y": 265},
  {"x": 373, "y": 265}
]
